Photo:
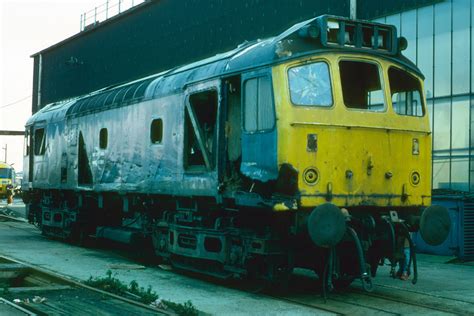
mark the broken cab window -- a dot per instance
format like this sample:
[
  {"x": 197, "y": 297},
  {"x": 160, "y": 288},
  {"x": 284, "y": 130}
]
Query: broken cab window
[
  {"x": 40, "y": 142},
  {"x": 103, "y": 138},
  {"x": 201, "y": 130},
  {"x": 405, "y": 92},
  {"x": 156, "y": 131},
  {"x": 361, "y": 86},
  {"x": 310, "y": 85},
  {"x": 259, "y": 114}
]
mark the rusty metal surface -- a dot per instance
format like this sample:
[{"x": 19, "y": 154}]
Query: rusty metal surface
[{"x": 36, "y": 291}]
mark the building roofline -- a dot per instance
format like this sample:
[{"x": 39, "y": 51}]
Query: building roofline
[{"x": 98, "y": 26}]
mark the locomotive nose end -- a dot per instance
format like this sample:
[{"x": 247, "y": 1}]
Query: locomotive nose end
[
  {"x": 326, "y": 225},
  {"x": 435, "y": 225}
]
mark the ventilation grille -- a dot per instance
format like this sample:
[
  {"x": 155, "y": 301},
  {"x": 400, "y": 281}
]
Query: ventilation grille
[
  {"x": 110, "y": 99},
  {"x": 468, "y": 231}
]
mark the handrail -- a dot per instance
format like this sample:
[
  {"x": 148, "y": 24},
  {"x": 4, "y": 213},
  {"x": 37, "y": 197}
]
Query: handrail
[{"x": 105, "y": 11}]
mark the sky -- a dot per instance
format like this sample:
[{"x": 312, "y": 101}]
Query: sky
[{"x": 26, "y": 27}]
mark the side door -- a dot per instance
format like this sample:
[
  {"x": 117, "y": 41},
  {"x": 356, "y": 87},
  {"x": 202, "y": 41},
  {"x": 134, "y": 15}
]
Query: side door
[
  {"x": 202, "y": 131},
  {"x": 259, "y": 135}
]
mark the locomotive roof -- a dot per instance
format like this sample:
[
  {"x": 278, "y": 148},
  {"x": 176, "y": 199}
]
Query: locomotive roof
[
  {"x": 249, "y": 55},
  {"x": 4, "y": 165}
]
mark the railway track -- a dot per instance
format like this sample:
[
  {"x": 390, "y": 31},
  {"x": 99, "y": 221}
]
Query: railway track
[
  {"x": 385, "y": 300},
  {"x": 28, "y": 290}
]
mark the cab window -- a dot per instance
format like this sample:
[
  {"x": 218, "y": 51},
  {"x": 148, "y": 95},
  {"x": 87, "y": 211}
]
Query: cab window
[
  {"x": 40, "y": 142},
  {"x": 26, "y": 144},
  {"x": 310, "y": 85},
  {"x": 361, "y": 86},
  {"x": 5, "y": 173},
  {"x": 405, "y": 92},
  {"x": 258, "y": 105}
]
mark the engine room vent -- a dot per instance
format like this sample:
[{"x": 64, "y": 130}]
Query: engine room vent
[
  {"x": 109, "y": 99},
  {"x": 468, "y": 231}
]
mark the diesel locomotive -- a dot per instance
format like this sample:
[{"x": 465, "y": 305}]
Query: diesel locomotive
[
  {"x": 310, "y": 149},
  {"x": 7, "y": 178}
]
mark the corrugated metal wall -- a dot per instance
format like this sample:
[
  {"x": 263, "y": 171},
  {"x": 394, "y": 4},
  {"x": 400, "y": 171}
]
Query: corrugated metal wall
[
  {"x": 370, "y": 9},
  {"x": 159, "y": 35}
]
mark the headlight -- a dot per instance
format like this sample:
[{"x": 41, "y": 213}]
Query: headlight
[
  {"x": 311, "y": 176},
  {"x": 415, "y": 178}
]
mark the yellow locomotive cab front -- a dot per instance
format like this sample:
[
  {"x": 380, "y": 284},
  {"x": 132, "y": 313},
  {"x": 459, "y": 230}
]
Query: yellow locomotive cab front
[{"x": 356, "y": 129}]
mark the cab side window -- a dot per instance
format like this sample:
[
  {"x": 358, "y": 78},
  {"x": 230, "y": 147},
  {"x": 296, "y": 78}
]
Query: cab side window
[
  {"x": 406, "y": 93},
  {"x": 40, "y": 142},
  {"x": 259, "y": 114}
]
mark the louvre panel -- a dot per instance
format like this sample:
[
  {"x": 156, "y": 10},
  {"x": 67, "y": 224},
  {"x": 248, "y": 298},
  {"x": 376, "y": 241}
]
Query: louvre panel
[
  {"x": 468, "y": 231},
  {"x": 111, "y": 98}
]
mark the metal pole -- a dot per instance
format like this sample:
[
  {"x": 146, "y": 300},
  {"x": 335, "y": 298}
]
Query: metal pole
[
  {"x": 120, "y": 3},
  {"x": 81, "y": 24},
  {"x": 107, "y": 9},
  {"x": 6, "y": 150},
  {"x": 95, "y": 15},
  {"x": 85, "y": 19},
  {"x": 353, "y": 9}
]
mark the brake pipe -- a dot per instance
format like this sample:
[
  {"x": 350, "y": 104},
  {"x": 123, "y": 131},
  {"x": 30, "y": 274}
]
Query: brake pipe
[{"x": 364, "y": 276}]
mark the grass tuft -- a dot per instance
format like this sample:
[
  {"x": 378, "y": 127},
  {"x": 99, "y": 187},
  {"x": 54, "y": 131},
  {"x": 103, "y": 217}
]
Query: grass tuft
[{"x": 147, "y": 296}]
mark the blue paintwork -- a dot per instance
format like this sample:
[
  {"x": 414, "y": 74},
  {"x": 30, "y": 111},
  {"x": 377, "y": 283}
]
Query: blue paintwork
[{"x": 259, "y": 156}]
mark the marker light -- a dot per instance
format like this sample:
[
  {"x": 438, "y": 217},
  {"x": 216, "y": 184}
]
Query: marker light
[{"x": 415, "y": 149}]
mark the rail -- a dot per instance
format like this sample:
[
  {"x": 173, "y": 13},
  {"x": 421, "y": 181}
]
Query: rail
[{"x": 105, "y": 11}]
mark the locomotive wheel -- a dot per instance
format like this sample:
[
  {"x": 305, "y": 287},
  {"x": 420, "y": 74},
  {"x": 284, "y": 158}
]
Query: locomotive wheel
[
  {"x": 78, "y": 236},
  {"x": 341, "y": 284}
]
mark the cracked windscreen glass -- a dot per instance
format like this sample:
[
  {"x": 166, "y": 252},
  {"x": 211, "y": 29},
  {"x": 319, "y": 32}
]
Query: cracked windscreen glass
[{"x": 310, "y": 85}]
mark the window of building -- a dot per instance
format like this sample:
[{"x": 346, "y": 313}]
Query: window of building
[
  {"x": 103, "y": 138},
  {"x": 259, "y": 114},
  {"x": 310, "y": 85},
  {"x": 156, "y": 131},
  {"x": 405, "y": 92},
  {"x": 361, "y": 86},
  {"x": 40, "y": 142}
]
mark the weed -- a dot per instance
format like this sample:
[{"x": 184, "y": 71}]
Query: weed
[
  {"x": 186, "y": 309},
  {"x": 147, "y": 296}
]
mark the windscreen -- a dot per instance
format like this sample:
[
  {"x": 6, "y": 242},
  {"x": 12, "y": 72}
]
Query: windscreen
[
  {"x": 310, "y": 85},
  {"x": 5, "y": 173},
  {"x": 405, "y": 92},
  {"x": 361, "y": 86}
]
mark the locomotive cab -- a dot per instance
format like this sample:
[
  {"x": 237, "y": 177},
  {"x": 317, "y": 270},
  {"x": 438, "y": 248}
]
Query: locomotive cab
[
  {"x": 352, "y": 122},
  {"x": 358, "y": 134}
]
